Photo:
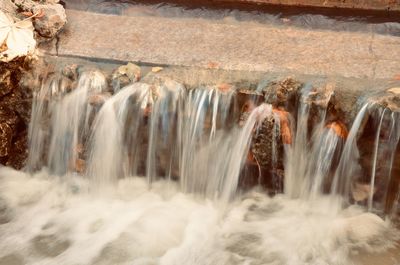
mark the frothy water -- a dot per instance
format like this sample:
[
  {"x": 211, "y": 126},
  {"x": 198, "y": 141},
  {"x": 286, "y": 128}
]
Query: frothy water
[
  {"x": 151, "y": 175},
  {"x": 58, "y": 222}
]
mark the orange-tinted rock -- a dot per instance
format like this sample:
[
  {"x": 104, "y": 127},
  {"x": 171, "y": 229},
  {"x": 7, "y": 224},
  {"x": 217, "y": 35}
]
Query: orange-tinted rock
[
  {"x": 339, "y": 128},
  {"x": 80, "y": 165},
  {"x": 286, "y": 133}
]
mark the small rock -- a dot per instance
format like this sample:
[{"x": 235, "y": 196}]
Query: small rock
[
  {"x": 71, "y": 71},
  {"x": 52, "y": 22},
  {"x": 125, "y": 75},
  {"x": 266, "y": 139},
  {"x": 98, "y": 99},
  {"x": 282, "y": 93},
  {"x": 80, "y": 165},
  {"x": 6, "y": 134}
]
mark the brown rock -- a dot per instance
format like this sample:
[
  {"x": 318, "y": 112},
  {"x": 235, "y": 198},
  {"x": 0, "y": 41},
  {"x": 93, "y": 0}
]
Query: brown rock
[
  {"x": 6, "y": 134},
  {"x": 19, "y": 151},
  {"x": 99, "y": 98},
  {"x": 80, "y": 165},
  {"x": 125, "y": 75},
  {"x": 283, "y": 93},
  {"x": 51, "y": 22}
]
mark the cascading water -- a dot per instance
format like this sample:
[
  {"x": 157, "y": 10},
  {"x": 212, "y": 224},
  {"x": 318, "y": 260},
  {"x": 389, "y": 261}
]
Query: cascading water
[{"x": 151, "y": 175}]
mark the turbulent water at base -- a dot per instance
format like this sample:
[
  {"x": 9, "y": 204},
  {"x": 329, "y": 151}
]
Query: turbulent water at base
[{"x": 151, "y": 176}]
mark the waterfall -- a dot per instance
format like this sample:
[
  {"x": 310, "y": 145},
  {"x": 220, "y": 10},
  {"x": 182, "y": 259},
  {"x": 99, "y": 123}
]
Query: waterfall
[
  {"x": 154, "y": 173},
  {"x": 150, "y": 130},
  {"x": 166, "y": 131}
]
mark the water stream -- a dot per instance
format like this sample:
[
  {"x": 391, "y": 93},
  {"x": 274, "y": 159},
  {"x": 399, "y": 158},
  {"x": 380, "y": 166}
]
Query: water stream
[{"x": 151, "y": 175}]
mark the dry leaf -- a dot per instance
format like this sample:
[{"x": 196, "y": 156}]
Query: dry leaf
[
  {"x": 18, "y": 36},
  {"x": 394, "y": 90},
  {"x": 156, "y": 69},
  {"x": 3, "y": 47},
  {"x": 397, "y": 77},
  {"x": 27, "y": 14}
]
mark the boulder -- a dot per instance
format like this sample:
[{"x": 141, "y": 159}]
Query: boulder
[{"x": 52, "y": 21}]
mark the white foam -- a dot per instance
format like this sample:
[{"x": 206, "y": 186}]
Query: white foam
[{"x": 56, "y": 221}]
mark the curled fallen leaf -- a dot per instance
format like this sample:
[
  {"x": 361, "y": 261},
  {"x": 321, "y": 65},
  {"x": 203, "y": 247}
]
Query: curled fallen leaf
[
  {"x": 27, "y": 13},
  {"x": 156, "y": 69},
  {"x": 248, "y": 106},
  {"x": 397, "y": 77},
  {"x": 3, "y": 47},
  {"x": 394, "y": 90},
  {"x": 18, "y": 36}
]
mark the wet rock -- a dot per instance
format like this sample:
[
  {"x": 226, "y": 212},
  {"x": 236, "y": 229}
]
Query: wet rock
[
  {"x": 266, "y": 140},
  {"x": 19, "y": 152},
  {"x": 52, "y": 21},
  {"x": 6, "y": 134},
  {"x": 99, "y": 98},
  {"x": 12, "y": 259},
  {"x": 15, "y": 106},
  {"x": 283, "y": 93},
  {"x": 390, "y": 100},
  {"x": 71, "y": 71},
  {"x": 50, "y": 245},
  {"x": 125, "y": 75},
  {"x": 5, "y": 82}
]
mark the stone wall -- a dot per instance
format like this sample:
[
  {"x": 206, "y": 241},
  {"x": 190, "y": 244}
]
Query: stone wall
[{"x": 393, "y": 5}]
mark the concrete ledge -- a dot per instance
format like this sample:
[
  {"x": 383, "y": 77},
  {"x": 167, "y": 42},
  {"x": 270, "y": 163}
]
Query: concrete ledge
[
  {"x": 358, "y": 4},
  {"x": 229, "y": 45}
]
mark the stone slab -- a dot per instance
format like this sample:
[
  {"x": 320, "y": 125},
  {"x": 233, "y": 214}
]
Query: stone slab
[
  {"x": 358, "y": 4},
  {"x": 228, "y": 45}
]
